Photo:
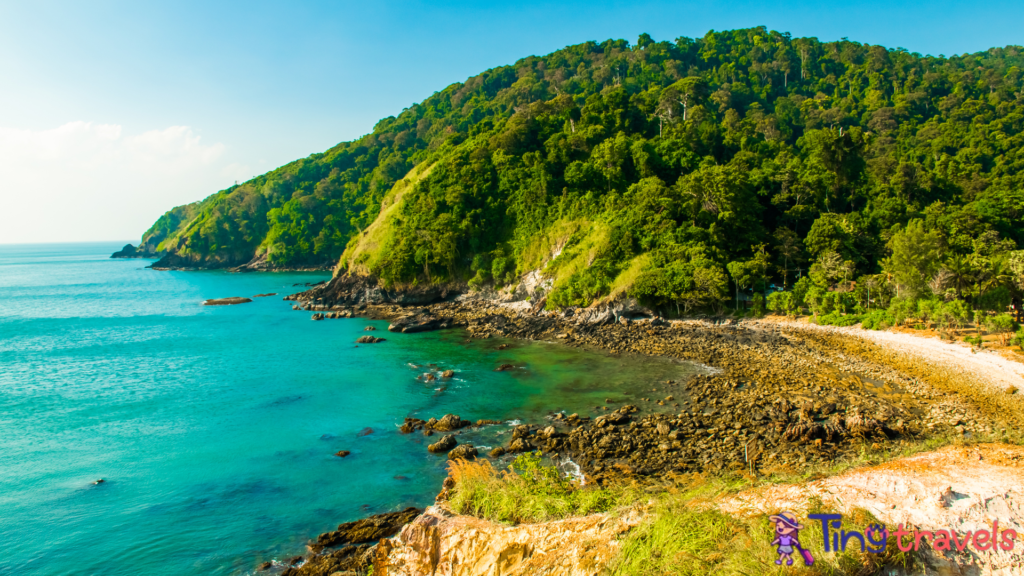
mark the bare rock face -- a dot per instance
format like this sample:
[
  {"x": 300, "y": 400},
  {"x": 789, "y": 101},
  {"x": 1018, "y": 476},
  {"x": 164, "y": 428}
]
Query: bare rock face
[{"x": 439, "y": 543}]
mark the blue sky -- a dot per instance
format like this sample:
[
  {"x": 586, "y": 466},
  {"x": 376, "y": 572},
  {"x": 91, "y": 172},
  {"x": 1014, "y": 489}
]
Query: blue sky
[{"x": 112, "y": 112}]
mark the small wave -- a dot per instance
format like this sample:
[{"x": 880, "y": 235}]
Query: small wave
[
  {"x": 571, "y": 469},
  {"x": 513, "y": 422}
]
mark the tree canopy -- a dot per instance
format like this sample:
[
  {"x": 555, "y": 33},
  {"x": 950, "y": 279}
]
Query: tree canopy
[{"x": 655, "y": 166}]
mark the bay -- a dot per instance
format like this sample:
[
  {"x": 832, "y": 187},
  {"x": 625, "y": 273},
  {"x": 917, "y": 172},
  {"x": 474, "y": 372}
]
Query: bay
[{"x": 215, "y": 428}]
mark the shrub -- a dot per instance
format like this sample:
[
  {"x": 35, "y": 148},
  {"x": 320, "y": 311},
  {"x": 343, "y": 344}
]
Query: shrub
[
  {"x": 1018, "y": 339},
  {"x": 837, "y": 319},
  {"x": 877, "y": 320},
  {"x": 1001, "y": 324}
]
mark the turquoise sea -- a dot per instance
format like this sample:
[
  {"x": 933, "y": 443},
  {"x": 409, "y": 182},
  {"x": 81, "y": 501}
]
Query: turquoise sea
[{"x": 215, "y": 427}]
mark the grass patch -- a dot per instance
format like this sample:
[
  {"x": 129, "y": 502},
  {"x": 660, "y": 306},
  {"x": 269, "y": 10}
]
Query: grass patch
[
  {"x": 529, "y": 492},
  {"x": 683, "y": 537}
]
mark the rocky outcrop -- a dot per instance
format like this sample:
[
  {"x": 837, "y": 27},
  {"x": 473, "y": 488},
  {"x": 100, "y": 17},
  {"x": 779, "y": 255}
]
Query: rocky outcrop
[
  {"x": 447, "y": 423},
  {"x": 261, "y": 263},
  {"x": 446, "y": 443},
  {"x": 226, "y": 301},
  {"x": 369, "y": 529},
  {"x": 130, "y": 251},
  {"x": 420, "y": 322},
  {"x": 352, "y": 290},
  {"x": 440, "y": 543},
  {"x": 463, "y": 452}
]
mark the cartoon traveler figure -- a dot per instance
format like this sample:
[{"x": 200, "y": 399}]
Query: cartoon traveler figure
[{"x": 787, "y": 532}]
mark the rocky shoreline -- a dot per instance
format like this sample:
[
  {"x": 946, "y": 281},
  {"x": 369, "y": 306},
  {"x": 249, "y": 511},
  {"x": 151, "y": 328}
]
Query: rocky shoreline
[{"x": 779, "y": 398}]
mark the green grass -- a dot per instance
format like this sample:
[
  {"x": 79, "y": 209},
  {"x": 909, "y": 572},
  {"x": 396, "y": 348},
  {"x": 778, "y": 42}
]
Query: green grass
[
  {"x": 529, "y": 492},
  {"x": 681, "y": 537}
]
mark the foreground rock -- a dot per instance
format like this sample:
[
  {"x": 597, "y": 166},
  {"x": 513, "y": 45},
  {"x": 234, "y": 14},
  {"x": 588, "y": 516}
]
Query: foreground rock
[
  {"x": 358, "y": 540},
  {"x": 368, "y": 340},
  {"x": 226, "y": 301},
  {"x": 439, "y": 542},
  {"x": 369, "y": 529}
]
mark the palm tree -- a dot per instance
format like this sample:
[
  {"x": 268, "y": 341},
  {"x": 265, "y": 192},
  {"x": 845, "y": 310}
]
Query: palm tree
[{"x": 959, "y": 268}]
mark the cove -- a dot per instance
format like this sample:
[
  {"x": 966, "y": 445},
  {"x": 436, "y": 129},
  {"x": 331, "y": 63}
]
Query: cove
[{"x": 215, "y": 428}]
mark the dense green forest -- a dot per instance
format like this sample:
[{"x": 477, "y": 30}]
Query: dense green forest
[{"x": 687, "y": 174}]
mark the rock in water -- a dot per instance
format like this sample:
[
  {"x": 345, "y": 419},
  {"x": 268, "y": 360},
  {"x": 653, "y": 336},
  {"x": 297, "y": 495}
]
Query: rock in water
[
  {"x": 446, "y": 443},
  {"x": 365, "y": 432},
  {"x": 504, "y": 367},
  {"x": 368, "y": 340},
  {"x": 447, "y": 374},
  {"x": 419, "y": 323},
  {"x": 342, "y": 453},
  {"x": 463, "y": 452},
  {"x": 449, "y": 422},
  {"x": 226, "y": 301},
  {"x": 127, "y": 252}
]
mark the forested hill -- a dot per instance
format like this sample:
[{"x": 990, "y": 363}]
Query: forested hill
[{"x": 660, "y": 169}]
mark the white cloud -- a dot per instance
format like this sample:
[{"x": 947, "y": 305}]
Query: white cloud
[{"x": 85, "y": 181}]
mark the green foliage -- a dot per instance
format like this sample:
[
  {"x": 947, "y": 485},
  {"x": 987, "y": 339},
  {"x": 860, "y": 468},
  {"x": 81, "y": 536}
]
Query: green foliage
[
  {"x": 1018, "y": 339},
  {"x": 1001, "y": 324},
  {"x": 915, "y": 257},
  {"x": 871, "y": 159},
  {"x": 878, "y": 320}
]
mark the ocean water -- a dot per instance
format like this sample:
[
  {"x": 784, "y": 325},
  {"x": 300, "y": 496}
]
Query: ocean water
[{"x": 215, "y": 427}]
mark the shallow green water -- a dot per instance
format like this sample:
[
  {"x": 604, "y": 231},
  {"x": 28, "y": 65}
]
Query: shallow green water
[{"x": 215, "y": 427}]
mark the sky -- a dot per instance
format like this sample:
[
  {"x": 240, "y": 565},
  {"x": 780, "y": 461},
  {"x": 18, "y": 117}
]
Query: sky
[{"x": 111, "y": 112}]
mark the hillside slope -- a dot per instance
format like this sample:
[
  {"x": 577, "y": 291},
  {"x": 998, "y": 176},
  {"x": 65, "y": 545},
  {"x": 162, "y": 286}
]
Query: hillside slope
[{"x": 659, "y": 169}]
